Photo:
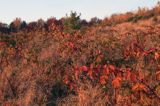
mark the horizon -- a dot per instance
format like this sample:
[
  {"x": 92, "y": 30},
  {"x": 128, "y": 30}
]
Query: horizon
[{"x": 38, "y": 9}]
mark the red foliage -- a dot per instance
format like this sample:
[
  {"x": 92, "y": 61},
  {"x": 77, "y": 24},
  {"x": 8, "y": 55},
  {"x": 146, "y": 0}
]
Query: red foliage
[
  {"x": 84, "y": 68},
  {"x": 2, "y": 43}
]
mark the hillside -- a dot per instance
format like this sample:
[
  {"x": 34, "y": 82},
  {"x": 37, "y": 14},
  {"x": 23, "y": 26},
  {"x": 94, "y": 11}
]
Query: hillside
[{"x": 114, "y": 61}]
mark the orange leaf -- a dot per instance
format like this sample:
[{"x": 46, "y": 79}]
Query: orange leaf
[
  {"x": 90, "y": 73},
  {"x": 141, "y": 75},
  {"x": 156, "y": 56},
  {"x": 116, "y": 83},
  {"x": 139, "y": 87}
]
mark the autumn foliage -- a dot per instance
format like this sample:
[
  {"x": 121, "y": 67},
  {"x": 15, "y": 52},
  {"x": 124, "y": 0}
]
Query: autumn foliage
[{"x": 115, "y": 61}]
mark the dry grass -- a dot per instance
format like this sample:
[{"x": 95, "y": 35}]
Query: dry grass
[{"x": 87, "y": 95}]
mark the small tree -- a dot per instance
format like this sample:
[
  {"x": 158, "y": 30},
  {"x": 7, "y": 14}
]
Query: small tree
[
  {"x": 15, "y": 25},
  {"x": 32, "y": 26},
  {"x": 4, "y": 28},
  {"x": 40, "y": 23},
  {"x": 52, "y": 23},
  {"x": 72, "y": 22},
  {"x": 23, "y": 25},
  {"x": 95, "y": 21}
]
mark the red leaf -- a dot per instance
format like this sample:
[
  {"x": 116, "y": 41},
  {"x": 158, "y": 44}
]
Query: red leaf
[
  {"x": 103, "y": 79},
  {"x": 105, "y": 70},
  {"x": 133, "y": 77},
  {"x": 128, "y": 74},
  {"x": 2, "y": 43},
  {"x": 84, "y": 68},
  {"x": 112, "y": 67},
  {"x": 66, "y": 80}
]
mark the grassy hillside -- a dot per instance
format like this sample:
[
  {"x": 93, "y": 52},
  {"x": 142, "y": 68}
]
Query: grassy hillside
[{"x": 114, "y": 61}]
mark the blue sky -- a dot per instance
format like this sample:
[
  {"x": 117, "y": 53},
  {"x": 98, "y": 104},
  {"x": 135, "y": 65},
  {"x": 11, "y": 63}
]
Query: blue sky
[{"x": 31, "y": 10}]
